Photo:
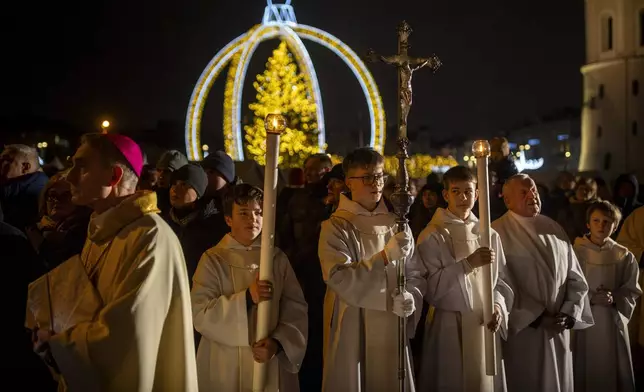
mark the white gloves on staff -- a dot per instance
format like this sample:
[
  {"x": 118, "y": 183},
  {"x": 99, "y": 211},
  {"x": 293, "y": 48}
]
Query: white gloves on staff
[
  {"x": 399, "y": 246},
  {"x": 403, "y": 304}
]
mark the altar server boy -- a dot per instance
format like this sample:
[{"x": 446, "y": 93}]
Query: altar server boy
[
  {"x": 452, "y": 259},
  {"x": 225, "y": 293}
]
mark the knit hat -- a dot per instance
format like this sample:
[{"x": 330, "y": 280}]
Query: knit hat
[
  {"x": 171, "y": 160},
  {"x": 222, "y": 163},
  {"x": 193, "y": 175},
  {"x": 336, "y": 173},
  {"x": 130, "y": 150}
]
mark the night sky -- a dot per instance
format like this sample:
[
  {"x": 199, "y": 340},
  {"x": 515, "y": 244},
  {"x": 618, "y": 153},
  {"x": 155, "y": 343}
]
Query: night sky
[{"x": 136, "y": 62}]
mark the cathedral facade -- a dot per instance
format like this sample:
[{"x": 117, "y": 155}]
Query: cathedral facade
[{"x": 613, "y": 106}]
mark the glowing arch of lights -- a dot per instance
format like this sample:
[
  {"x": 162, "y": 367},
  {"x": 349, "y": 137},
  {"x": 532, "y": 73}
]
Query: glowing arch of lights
[{"x": 279, "y": 22}]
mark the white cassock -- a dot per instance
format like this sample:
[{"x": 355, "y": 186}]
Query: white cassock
[
  {"x": 227, "y": 324},
  {"x": 602, "y": 353},
  {"x": 454, "y": 345},
  {"x": 361, "y": 345},
  {"x": 546, "y": 278},
  {"x": 121, "y": 311}
]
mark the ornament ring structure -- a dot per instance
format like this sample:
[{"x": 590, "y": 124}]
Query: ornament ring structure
[{"x": 241, "y": 49}]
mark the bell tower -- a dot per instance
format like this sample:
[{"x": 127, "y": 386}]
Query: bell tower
[{"x": 613, "y": 105}]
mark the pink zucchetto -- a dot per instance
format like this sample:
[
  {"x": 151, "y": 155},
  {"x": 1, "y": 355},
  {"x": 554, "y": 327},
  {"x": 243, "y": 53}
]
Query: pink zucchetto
[{"x": 130, "y": 150}]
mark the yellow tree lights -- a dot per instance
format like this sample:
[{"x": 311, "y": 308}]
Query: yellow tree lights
[
  {"x": 279, "y": 22},
  {"x": 283, "y": 89}
]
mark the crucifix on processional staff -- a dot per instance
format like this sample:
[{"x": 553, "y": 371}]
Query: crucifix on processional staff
[{"x": 401, "y": 198}]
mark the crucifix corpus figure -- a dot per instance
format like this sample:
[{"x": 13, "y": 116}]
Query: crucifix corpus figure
[
  {"x": 401, "y": 198},
  {"x": 406, "y": 67}
]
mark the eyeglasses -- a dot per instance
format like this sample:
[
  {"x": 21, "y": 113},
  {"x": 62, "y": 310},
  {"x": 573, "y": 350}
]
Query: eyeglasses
[{"x": 372, "y": 178}]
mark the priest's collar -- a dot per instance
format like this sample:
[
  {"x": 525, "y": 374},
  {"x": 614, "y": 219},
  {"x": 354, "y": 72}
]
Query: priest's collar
[
  {"x": 523, "y": 219},
  {"x": 355, "y": 208},
  {"x": 229, "y": 242},
  {"x": 106, "y": 225}
]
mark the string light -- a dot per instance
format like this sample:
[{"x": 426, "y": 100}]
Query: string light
[{"x": 282, "y": 25}]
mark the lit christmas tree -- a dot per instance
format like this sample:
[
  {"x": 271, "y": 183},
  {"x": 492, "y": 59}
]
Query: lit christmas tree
[{"x": 283, "y": 89}]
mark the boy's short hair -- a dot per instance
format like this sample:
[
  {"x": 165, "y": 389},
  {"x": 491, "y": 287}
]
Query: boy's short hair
[
  {"x": 605, "y": 207},
  {"x": 241, "y": 194},
  {"x": 458, "y": 173},
  {"x": 362, "y": 158}
]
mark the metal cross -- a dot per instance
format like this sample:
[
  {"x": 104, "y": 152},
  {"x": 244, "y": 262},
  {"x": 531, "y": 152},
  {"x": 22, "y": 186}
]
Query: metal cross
[
  {"x": 401, "y": 198},
  {"x": 406, "y": 67}
]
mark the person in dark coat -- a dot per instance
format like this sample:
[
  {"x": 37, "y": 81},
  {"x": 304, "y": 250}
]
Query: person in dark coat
[
  {"x": 193, "y": 219},
  {"x": 21, "y": 181},
  {"x": 62, "y": 229},
  {"x": 20, "y": 267},
  {"x": 625, "y": 196}
]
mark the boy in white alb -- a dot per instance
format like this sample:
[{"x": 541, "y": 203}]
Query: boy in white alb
[
  {"x": 225, "y": 294},
  {"x": 450, "y": 255},
  {"x": 601, "y": 354},
  {"x": 358, "y": 251}
]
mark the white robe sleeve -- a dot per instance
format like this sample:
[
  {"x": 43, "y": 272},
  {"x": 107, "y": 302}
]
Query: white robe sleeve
[
  {"x": 626, "y": 295},
  {"x": 415, "y": 273},
  {"x": 445, "y": 276},
  {"x": 292, "y": 327},
  {"x": 576, "y": 303},
  {"x": 503, "y": 294},
  {"x": 359, "y": 283},
  {"x": 220, "y": 318},
  {"x": 127, "y": 332}
]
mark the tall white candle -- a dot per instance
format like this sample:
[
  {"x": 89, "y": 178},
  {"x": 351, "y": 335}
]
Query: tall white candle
[
  {"x": 481, "y": 150},
  {"x": 275, "y": 124}
]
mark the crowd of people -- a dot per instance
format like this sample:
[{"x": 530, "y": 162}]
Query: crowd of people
[{"x": 137, "y": 277}]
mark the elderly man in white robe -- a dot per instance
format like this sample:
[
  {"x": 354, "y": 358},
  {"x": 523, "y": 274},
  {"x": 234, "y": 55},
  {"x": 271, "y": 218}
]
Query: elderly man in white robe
[
  {"x": 117, "y": 318},
  {"x": 451, "y": 257},
  {"x": 225, "y": 294},
  {"x": 358, "y": 252},
  {"x": 551, "y": 293}
]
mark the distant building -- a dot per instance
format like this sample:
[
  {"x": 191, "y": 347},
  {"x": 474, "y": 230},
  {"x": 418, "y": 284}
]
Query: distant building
[
  {"x": 541, "y": 148},
  {"x": 613, "y": 112}
]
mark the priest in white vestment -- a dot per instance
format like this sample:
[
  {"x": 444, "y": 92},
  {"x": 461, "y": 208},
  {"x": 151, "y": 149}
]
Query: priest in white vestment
[
  {"x": 602, "y": 353},
  {"x": 225, "y": 293},
  {"x": 358, "y": 252},
  {"x": 123, "y": 323},
  {"x": 450, "y": 256},
  {"x": 551, "y": 293}
]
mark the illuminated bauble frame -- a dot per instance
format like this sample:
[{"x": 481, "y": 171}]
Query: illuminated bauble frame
[{"x": 279, "y": 22}]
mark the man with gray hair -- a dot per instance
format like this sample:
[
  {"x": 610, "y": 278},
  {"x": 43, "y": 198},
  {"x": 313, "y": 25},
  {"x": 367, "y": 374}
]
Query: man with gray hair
[
  {"x": 550, "y": 291},
  {"x": 21, "y": 181}
]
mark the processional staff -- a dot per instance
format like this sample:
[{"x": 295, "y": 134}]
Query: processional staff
[
  {"x": 275, "y": 124},
  {"x": 401, "y": 198}
]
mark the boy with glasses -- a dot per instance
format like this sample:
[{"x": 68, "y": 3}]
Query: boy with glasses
[{"x": 359, "y": 249}]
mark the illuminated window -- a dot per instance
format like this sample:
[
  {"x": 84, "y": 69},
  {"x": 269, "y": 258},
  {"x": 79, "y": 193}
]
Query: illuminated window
[{"x": 607, "y": 33}]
